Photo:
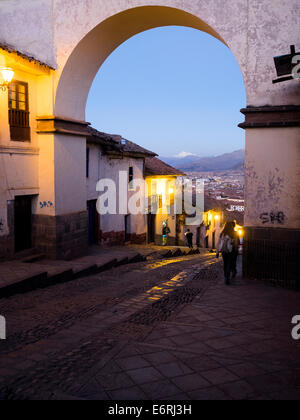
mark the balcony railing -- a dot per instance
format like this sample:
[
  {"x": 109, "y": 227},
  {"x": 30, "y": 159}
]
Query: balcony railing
[{"x": 19, "y": 125}]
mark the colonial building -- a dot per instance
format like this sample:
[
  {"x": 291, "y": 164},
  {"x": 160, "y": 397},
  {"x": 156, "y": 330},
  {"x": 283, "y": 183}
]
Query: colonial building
[
  {"x": 27, "y": 192},
  {"x": 111, "y": 157},
  {"x": 47, "y": 176},
  {"x": 22, "y": 169},
  {"x": 215, "y": 217},
  {"x": 161, "y": 182}
]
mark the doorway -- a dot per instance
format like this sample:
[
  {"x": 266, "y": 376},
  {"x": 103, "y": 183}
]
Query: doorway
[
  {"x": 127, "y": 229},
  {"x": 214, "y": 240},
  {"x": 151, "y": 228},
  {"x": 23, "y": 223},
  {"x": 93, "y": 222}
]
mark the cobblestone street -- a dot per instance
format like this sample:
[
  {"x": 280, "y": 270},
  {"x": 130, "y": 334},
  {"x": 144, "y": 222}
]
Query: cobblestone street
[{"x": 167, "y": 329}]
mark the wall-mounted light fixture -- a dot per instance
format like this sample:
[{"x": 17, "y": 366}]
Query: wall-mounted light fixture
[
  {"x": 285, "y": 65},
  {"x": 7, "y": 75}
]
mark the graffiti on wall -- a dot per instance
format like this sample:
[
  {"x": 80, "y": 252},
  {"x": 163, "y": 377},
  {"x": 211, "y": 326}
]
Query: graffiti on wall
[
  {"x": 273, "y": 217},
  {"x": 3, "y": 222},
  {"x": 46, "y": 204}
]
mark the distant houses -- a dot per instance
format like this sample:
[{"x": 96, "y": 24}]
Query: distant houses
[
  {"x": 111, "y": 157},
  {"x": 108, "y": 156},
  {"x": 161, "y": 183}
]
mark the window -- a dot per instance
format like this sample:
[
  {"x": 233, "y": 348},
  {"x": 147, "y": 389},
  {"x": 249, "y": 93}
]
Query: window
[
  {"x": 160, "y": 201},
  {"x": 130, "y": 174},
  {"x": 87, "y": 162},
  {"x": 18, "y": 106}
]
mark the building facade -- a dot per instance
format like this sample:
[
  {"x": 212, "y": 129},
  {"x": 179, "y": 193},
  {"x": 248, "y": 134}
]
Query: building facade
[
  {"x": 112, "y": 157},
  {"x": 74, "y": 39},
  {"x": 161, "y": 188},
  {"x": 21, "y": 166}
]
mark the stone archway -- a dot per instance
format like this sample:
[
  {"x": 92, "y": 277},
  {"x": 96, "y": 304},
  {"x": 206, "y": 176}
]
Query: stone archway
[
  {"x": 86, "y": 32},
  {"x": 91, "y": 52},
  {"x": 78, "y": 64}
]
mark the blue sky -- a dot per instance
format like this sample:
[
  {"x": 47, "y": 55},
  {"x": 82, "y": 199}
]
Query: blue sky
[{"x": 171, "y": 90}]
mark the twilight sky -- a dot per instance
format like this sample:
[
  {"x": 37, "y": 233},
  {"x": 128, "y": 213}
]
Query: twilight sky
[{"x": 171, "y": 90}]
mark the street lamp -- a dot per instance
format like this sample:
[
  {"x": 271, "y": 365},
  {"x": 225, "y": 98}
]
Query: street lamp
[
  {"x": 285, "y": 65},
  {"x": 240, "y": 233},
  {"x": 7, "y": 74}
]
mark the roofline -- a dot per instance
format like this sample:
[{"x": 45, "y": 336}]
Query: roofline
[
  {"x": 136, "y": 155},
  {"x": 147, "y": 175},
  {"x": 116, "y": 153},
  {"x": 12, "y": 50}
]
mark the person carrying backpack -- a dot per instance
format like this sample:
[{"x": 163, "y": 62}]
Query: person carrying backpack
[
  {"x": 165, "y": 232},
  {"x": 227, "y": 249},
  {"x": 189, "y": 239},
  {"x": 236, "y": 244}
]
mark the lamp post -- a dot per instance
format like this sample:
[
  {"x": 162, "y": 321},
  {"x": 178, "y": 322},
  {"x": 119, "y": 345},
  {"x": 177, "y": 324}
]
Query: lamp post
[{"x": 7, "y": 74}]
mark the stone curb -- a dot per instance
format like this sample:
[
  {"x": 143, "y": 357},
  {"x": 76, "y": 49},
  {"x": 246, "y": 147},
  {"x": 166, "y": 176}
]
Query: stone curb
[{"x": 43, "y": 280}]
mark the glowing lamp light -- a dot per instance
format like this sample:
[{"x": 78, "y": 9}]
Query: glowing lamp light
[
  {"x": 240, "y": 231},
  {"x": 171, "y": 190},
  {"x": 7, "y": 74},
  {"x": 217, "y": 218}
]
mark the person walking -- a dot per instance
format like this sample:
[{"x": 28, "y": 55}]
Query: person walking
[
  {"x": 236, "y": 244},
  {"x": 189, "y": 239},
  {"x": 165, "y": 233},
  {"x": 226, "y": 248}
]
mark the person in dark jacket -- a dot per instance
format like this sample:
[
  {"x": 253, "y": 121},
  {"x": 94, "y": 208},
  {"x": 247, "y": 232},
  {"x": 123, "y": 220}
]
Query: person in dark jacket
[
  {"x": 189, "y": 238},
  {"x": 235, "y": 251},
  {"x": 226, "y": 247}
]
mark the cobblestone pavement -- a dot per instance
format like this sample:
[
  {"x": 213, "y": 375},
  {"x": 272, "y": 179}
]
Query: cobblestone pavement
[{"x": 161, "y": 330}]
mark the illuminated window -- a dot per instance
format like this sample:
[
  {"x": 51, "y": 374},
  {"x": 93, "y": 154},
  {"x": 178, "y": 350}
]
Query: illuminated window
[
  {"x": 160, "y": 201},
  {"x": 18, "y": 105}
]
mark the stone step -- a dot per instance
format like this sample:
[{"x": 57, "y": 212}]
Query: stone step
[
  {"x": 25, "y": 254},
  {"x": 45, "y": 279},
  {"x": 34, "y": 258},
  {"x": 24, "y": 286}
]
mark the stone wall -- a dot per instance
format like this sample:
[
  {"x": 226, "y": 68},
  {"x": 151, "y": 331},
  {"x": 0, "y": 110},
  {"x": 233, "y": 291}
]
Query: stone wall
[
  {"x": 138, "y": 239},
  {"x": 7, "y": 245},
  {"x": 118, "y": 238},
  {"x": 273, "y": 255},
  {"x": 112, "y": 238},
  {"x": 61, "y": 237}
]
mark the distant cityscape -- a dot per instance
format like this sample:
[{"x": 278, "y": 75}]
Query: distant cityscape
[{"x": 224, "y": 188}]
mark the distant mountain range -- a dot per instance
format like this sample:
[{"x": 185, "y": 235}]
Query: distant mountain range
[{"x": 193, "y": 163}]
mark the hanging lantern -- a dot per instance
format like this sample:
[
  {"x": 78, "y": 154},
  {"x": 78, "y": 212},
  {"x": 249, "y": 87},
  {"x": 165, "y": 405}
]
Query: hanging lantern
[{"x": 284, "y": 66}]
